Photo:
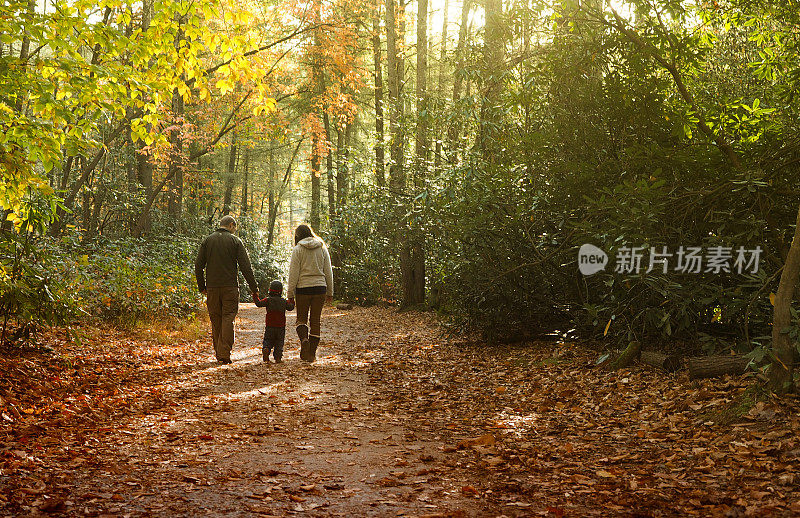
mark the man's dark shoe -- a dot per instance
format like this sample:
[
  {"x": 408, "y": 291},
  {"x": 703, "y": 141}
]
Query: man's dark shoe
[
  {"x": 225, "y": 362},
  {"x": 312, "y": 349},
  {"x": 278, "y": 360}
]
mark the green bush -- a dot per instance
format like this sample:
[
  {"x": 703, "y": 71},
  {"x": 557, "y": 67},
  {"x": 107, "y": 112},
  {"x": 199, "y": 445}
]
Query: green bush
[
  {"x": 362, "y": 249},
  {"x": 128, "y": 279}
]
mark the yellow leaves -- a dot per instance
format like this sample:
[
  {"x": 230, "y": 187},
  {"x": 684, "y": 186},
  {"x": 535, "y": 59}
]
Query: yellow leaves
[
  {"x": 772, "y": 298},
  {"x": 224, "y": 86},
  {"x": 184, "y": 91},
  {"x": 268, "y": 107},
  {"x": 605, "y": 331},
  {"x": 13, "y": 218}
]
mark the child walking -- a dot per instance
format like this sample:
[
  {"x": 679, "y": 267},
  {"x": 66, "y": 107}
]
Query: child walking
[{"x": 275, "y": 323}]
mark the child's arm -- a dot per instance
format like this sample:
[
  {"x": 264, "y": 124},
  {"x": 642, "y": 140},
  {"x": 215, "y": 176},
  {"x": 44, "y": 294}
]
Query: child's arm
[{"x": 260, "y": 303}]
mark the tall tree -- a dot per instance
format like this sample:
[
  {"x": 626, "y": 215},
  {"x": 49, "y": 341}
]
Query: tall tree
[
  {"x": 781, "y": 372},
  {"x": 454, "y": 129},
  {"x": 380, "y": 172},
  {"x": 329, "y": 167},
  {"x": 317, "y": 81},
  {"x": 421, "y": 142},
  {"x": 492, "y": 68},
  {"x": 413, "y": 254},
  {"x": 245, "y": 180},
  {"x": 395, "y": 73},
  {"x": 230, "y": 178},
  {"x": 441, "y": 80}
]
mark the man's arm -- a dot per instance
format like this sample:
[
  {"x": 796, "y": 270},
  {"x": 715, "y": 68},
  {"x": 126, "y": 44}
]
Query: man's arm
[
  {"x": 244, "y": 265},
  {"x": 199, "y": 267}
]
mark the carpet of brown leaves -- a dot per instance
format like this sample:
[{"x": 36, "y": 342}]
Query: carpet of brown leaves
[{"x": 392, "y": 420}]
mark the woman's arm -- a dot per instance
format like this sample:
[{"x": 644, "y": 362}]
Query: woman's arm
[
  {"x": 294, "y": 272},
  {"x": 328, "y": 271}
]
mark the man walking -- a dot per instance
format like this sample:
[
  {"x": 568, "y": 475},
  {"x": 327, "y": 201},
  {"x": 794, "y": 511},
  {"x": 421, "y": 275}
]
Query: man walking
[{"x": 219, "y": 256}]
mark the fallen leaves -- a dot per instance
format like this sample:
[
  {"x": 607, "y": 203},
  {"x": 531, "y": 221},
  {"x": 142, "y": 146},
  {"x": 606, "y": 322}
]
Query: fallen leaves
[
  {"x": 633, "y": 439},
  {"x": 513, "y": 430},
  {"x": 484, "y": 440}
]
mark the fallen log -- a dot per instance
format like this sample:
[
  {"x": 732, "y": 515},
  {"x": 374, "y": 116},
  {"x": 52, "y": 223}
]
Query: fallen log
[
  {"x": 669, "y": 363},
  {"x": 713, "y": 366},
  {"x": 627, "y": 356}
]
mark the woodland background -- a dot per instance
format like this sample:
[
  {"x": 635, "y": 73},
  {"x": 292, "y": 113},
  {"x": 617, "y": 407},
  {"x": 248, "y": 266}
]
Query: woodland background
[{"x": 454, "y": 154}]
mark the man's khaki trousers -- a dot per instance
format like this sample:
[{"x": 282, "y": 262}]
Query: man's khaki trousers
[{"x": 223, "y": 304}]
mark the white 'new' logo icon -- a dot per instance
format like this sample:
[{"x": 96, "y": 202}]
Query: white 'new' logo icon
[{"x": 591, "y": 259}]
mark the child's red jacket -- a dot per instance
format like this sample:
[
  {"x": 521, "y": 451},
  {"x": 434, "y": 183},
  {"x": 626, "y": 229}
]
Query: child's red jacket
[{"x": 277, "y": 307}]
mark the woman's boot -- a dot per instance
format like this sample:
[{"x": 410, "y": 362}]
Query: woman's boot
[
  {"x": 313, "y": 344},
  {"x": 302, "y": 333}
]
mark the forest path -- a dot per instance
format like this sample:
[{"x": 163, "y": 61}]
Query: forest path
[
  {"x": 392, "y": 420},
  {"x": 250, "y": 439}
]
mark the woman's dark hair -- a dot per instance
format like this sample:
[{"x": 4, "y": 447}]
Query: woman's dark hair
[{"x": 301, "y": 232}]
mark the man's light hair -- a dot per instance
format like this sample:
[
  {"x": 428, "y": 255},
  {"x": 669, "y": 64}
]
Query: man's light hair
[{"x": 227, "y": 222}]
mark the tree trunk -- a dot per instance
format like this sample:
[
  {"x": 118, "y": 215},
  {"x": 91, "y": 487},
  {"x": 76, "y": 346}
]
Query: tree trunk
[
  {"x": 421, "y": 141},
  {"x": 493, "y": 55},
  {"x": 231, "y": 177},
  {"x": 92, "y": 229},
  {"x": 245, "y": 180},
  {"x": 437, "y": 157},
  {"x": 343, "y": 180},
  {"x": 395, "y": 73},
  {"x": 317, "y": 82},
  {"x": 781, "y": 372},
  {"x": 175, "y": 205},
  {"x": 454, "y": 130},
  {"x": 627, "y": 357},
  {"x": 340, "y": 157},
  {"x": 273, "y": 205},
  {"x": 315, "y": 184},
  {"x": 144, "y": 168},
  {"x": 24, "y": 51},
  {"x": 380, "y": 171},
  {"x": 413, "y": 273},
  {"x": 176, "y": 164},
  {"x": 144, "y": 173},
  {"x": 329, "y": 169},
  {"x": 669, "y": 363},
  {"x": 713, "y": 366}
]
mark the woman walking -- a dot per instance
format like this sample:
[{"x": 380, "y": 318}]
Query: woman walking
[{"x": 310, "y": 284}]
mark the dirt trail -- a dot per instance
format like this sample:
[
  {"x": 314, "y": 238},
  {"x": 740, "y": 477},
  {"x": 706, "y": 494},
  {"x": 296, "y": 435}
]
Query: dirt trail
[
  {"x": 251, "y": 439},
  {"x": 392, "y": 420}
]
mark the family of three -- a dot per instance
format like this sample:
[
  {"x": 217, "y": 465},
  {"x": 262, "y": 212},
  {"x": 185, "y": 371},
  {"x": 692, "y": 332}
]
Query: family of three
[{"x": 310, "y": 283}]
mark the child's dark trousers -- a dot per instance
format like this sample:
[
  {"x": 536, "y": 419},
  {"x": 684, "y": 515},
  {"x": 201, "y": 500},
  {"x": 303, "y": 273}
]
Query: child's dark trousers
[{"x": 273, "y": 341}]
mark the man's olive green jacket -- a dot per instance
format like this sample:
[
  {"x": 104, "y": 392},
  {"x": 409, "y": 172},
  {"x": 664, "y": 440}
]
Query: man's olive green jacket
[{"x": 219, "y": 256}]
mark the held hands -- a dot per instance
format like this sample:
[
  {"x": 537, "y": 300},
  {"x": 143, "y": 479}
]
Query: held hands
[{"x": 328, "y": 299}]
